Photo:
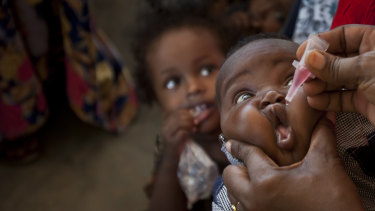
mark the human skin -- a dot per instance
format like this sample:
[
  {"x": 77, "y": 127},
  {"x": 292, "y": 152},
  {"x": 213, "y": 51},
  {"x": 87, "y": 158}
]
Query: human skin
[
  {"x": 318, "y": 182},
  {"x": 184, "y": 63},
  {"x": 252, "y": 85},
  {"x": 325, "y": 186},
  {"x": 190, "y": 69},
  {"x": 348, "y": 63}
]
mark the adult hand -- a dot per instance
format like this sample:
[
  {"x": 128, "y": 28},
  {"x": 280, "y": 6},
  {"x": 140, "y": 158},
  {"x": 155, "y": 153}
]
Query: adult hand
[
  {"x": 345, "y": 73},
  {"x": 318, "y": 182}
]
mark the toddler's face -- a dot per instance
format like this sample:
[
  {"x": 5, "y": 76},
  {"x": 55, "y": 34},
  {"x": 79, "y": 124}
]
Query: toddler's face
[
  {"x": 184, "y": 64},
  {"x": 252, "y": 85}
]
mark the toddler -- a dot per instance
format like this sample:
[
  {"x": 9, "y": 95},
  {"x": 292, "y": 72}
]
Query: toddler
[
  {"x": 251, "y": 88},
  {"x": 178, "y": 58}
]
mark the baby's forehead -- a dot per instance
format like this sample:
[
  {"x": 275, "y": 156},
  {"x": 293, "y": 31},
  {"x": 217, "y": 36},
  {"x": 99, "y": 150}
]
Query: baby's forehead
[
  {"x": 259, "y": 51},
  {"x": 262, "y": 47}
]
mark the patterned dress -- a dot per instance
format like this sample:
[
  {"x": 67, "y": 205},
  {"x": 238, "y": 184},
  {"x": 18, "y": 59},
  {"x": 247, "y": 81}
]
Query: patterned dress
[{"x": 40, "y": 40}]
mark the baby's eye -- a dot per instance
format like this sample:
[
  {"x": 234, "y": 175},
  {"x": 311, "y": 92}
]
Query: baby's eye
[
  {"x": 172, "y": 83},
  {"x": 244, "y": 96},
  {"x": 289, "y": 82},
  {"x": 206, "y": 70}
]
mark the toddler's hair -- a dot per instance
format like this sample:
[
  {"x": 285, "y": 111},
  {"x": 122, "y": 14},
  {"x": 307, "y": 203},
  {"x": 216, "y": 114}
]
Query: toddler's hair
[{"x": 151, "y": 27}]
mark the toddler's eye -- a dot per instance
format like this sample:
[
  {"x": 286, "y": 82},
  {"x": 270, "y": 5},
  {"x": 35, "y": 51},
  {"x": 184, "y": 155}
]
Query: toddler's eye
[
  {"x": 243, "y": 97},
  {"x": 207, "y": 70},
  {"x": 172, "y": 83}
]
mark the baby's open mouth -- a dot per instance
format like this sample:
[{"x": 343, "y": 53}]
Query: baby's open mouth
[
  {"x": 283, "y": 137},
  {"x": 278, "y": 117}
]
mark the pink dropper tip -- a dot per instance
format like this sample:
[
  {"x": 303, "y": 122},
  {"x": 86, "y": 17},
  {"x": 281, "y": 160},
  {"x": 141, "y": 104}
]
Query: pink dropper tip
[{"x": 300, "y": 76}]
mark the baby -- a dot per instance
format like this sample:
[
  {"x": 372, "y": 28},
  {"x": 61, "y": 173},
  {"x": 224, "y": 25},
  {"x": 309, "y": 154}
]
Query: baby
[{"x": 251, "y": 88}]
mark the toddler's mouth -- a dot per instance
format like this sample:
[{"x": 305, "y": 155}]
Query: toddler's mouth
[
  {"x": 201, "y": 111},
  {"x": 198, "y": 109}
]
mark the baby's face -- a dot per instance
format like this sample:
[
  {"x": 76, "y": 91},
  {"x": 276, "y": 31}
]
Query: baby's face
[
  {"x": 184, "y": 64},
  {"x": 251, "y": 87}
]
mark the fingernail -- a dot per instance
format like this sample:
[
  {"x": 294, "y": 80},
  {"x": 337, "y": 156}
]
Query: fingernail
[
  {"x": 316, "y": 60},
  {"x": 228, "y": 146}
]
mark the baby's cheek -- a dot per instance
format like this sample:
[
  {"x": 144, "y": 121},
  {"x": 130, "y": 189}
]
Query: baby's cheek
[{"x": 248, "y": 125}]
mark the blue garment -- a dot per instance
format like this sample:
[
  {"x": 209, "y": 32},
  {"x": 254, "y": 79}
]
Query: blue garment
[{"x": 220, "y": 196}]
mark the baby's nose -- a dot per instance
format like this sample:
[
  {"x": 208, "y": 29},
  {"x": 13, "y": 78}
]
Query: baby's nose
[{"x": 271, "y": 97}]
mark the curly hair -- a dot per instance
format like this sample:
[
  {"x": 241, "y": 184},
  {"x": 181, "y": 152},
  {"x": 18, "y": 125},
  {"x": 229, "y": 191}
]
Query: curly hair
[{"x": 155, "y": 23}]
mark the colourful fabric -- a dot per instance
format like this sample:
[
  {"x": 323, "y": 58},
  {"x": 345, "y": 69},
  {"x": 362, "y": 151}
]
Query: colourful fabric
[
  {"x": 354, "y": 12},
  {"x": 98, "y": 86},
  {"x": 22, "y": 103}
]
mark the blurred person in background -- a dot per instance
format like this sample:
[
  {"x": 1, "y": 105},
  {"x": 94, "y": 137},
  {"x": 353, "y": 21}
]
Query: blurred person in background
[{"x": 50, "y": 53}]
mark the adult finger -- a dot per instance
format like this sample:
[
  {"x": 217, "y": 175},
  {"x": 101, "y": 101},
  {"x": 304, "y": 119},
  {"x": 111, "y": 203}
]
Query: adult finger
[
  {"x": 346, "y": 40},
  {"x": 252, "y": 156},
  {"x": 335, "y": 101},
  {"x": 317, "y": 86},
  {"x": 345, "y": 72},
  {"x": 323, "y": 143},
  {"x": 350, "y": 39},
  {"x": 237, "y": 182},
  {"x": 346, "y": 101}
]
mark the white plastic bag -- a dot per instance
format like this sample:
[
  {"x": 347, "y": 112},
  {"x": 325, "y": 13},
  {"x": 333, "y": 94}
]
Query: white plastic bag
[{"x": 196, "y": 172}]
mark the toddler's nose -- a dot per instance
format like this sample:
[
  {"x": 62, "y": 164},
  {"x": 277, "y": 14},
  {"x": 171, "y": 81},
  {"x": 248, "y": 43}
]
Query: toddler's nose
[
  {"x": 194, "y": 86},
  {"x": 271, "y": 97}
]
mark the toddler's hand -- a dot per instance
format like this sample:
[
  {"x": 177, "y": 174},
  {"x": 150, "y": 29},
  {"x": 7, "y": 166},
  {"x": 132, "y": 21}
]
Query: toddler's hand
[{"x": 176, "y": 129}]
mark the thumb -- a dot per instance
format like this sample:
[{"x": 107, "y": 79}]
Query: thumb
[
  {"x": 323, "y": 140},
  {"x": 253, "y": 157},
  {"x": 333, "y": 69}
]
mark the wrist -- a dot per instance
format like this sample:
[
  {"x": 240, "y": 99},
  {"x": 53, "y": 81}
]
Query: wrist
[{"x": 169, "y": 154}]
